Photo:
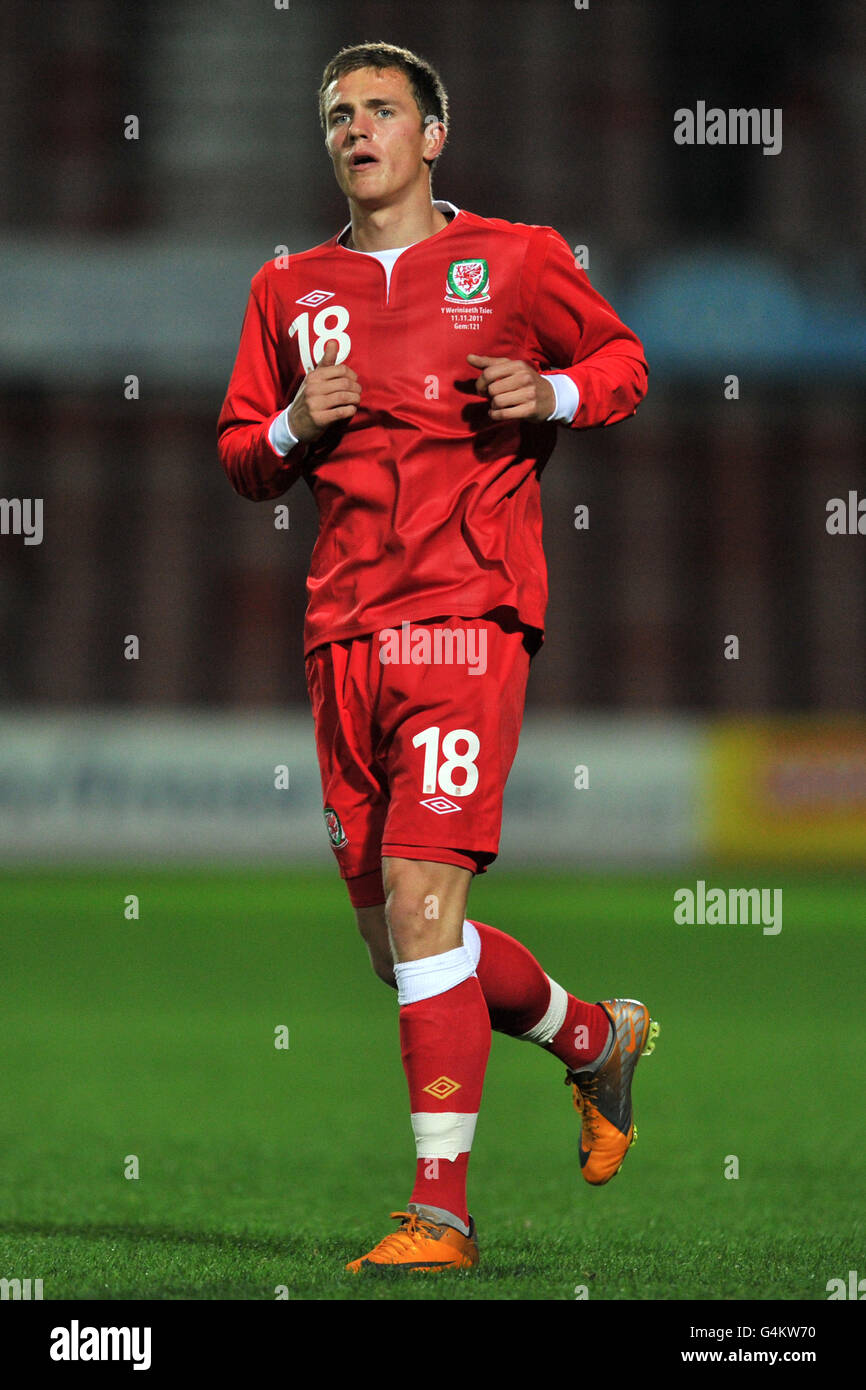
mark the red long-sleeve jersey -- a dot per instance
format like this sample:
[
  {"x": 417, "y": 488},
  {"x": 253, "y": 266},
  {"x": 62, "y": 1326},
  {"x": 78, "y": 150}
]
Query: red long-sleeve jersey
[{"x": 427, "y": 507}]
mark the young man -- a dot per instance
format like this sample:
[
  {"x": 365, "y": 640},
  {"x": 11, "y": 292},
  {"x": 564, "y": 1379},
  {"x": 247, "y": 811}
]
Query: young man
[{"x": 397, "y": 369}]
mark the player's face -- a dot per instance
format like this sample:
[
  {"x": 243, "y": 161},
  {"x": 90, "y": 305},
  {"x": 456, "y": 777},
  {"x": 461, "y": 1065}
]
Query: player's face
[{"x": 375, "y": 135}]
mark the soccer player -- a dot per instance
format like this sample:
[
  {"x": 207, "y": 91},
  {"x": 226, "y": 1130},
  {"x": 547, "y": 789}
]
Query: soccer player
[{"x": 413, "y": 370}]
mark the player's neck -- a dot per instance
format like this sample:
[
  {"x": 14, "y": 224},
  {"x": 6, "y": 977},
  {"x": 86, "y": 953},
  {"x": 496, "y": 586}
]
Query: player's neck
[{"x": 381, "y": 229}]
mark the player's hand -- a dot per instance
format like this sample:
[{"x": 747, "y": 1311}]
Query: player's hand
[
  {"x": 328, "y": 393},
  {"x": 516, "y": 390}
]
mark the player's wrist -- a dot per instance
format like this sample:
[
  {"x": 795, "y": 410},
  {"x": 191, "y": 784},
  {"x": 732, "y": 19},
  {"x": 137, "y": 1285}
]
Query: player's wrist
[{"x": 548, "y": 403}]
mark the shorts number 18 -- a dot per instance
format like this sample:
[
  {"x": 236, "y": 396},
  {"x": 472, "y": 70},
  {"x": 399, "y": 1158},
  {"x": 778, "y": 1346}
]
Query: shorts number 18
[{"x": 452, "y": 759}]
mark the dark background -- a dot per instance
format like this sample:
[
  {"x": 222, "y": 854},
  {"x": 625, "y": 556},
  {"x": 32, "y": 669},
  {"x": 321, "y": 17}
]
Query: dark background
[{"x": 707, "y": 515}]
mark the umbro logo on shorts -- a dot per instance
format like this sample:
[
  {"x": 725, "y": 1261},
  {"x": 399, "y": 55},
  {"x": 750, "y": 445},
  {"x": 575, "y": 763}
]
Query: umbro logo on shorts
[
  {"x": 316, "y": 297},
  {"x": 440, "y": 804}
]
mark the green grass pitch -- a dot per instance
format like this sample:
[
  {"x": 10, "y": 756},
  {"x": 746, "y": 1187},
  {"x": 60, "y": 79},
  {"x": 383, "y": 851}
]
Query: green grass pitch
[{"x": 262, "y": 1167}]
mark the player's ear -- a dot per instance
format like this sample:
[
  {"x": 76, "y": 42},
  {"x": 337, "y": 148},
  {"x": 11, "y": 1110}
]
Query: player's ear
[{"x": 433, "y": 128}]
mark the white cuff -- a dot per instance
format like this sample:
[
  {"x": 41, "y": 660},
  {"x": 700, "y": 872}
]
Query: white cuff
[
  {"x": 432, "y": 975},
  {"x": 567, "y": 396},
  {"x": 281, "y": 438}
]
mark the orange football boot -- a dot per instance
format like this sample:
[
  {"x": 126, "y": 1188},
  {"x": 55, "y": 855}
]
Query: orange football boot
[
  {"x": 603, "y": 1097},
  {"x": 422, "y": 1245}
]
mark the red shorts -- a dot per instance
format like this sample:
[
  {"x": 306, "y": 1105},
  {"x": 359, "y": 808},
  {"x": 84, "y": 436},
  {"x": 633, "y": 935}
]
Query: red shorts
[{"x": 416, "y": 731}]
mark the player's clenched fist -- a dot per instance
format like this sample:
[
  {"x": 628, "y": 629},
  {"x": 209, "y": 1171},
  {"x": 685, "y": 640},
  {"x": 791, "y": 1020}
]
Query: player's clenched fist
[
  {"x": 516, "y": 390},
  {"x": 327, "y": 393}
]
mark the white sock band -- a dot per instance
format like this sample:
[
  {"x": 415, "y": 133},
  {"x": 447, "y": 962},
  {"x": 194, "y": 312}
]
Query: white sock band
[
  {"x": 472, "y": 942},
  {"x": 444, "y": 1135},
  {"x": 547, "y": 1027},
  {"x": 424, "y": 979}
]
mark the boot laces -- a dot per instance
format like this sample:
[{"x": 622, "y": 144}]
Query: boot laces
[
  {"x": 412, "y": 1226},
  {"x": 585, "y": 1094}
]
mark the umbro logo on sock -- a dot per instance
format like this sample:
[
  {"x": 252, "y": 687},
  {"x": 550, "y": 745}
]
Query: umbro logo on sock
[{"x": 442, "y": 1087}]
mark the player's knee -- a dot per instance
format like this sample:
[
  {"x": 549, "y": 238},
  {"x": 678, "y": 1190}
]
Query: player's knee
[
  {"x": 408, "y": 931},
  {"x": 424, "y": 910}
]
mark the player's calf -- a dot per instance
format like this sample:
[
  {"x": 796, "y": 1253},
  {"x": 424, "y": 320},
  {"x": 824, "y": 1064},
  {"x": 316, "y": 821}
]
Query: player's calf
[{"x": 374, "y": 930}]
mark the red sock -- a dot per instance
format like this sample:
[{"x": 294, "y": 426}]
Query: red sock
[
  {"x": 519, "y": 994},
  {"x": 445, "y": 1041}
]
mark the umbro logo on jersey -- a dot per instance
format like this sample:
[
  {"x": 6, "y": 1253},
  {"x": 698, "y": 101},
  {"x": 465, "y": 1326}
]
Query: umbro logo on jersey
[
  {"x": 440, "y": 804},
  {"x": 316, "y": 297}
]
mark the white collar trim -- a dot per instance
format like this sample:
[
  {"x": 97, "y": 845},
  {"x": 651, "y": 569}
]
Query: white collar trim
[{"x": 441, "y": 204}]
